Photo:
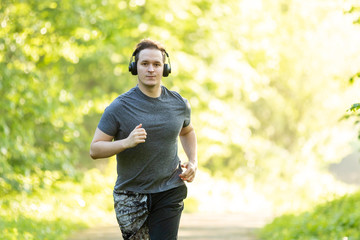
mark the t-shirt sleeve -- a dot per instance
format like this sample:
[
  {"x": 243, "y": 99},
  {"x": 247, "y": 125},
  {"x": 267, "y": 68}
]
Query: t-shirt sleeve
[
  {"x": 187, "y": 119},
  {"x": 108, "y": 123}
]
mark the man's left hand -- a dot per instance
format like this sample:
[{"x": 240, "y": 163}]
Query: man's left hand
[{"x": 189, "y": 174}]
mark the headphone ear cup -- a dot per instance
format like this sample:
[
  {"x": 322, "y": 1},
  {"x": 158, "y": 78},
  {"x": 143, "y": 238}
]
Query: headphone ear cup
[
  {"x": 133, "y": 68},
  {"x": 167, "y": 70}
]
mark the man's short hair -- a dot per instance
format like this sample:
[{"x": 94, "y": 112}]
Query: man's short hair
[{"x": 148, "y": 44}]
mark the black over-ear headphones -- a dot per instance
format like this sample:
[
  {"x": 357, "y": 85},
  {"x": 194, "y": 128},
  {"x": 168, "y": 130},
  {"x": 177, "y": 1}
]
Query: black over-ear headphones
[{"x": 133, "y": 67}]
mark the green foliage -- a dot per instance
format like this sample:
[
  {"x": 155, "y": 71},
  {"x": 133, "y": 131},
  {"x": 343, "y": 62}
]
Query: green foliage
[
  {"x": 40, "y": 119},
  {"x": 355, "y": 77},
  {"x": 62, "y": 62},
  {"x": 354, "y": 10},
  {"x": 354, "y": 109},
  {"x": 354, "y": 113},
  {"x": 55, "y": 211},
  {"x": 26, "y": 228},
  {"x": 333, "y": 220}
]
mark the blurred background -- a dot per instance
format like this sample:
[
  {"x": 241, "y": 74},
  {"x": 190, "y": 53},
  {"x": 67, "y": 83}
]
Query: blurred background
[{"x": 270, "y": 82}]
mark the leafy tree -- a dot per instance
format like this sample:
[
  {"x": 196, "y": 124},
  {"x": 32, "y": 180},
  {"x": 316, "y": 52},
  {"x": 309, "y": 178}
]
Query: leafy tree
[
  {"x": 252, "y": 72},
  {"x": 354, "y": 110},
  {"x": 62, "y": 62}
]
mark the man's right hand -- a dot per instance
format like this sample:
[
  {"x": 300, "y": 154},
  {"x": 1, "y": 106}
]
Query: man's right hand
[{"x": 138, "y": 135}]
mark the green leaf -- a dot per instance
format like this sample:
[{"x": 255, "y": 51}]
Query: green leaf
[
  {"x": 354, "y": 107},
  {"x": 354, "y": 77}
]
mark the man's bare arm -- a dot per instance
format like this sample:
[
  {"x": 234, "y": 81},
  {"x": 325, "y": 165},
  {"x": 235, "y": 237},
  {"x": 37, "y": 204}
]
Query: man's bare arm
[
  {"x": 188, "y": 141},
  {"x": 103, "y": 146}
]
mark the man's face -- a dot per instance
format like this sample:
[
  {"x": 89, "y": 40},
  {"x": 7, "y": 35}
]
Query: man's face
[{"x": 150, "y": 68}]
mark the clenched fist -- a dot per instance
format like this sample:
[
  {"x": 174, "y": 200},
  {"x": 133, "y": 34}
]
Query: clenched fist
[{"x": 138, "y": 135}]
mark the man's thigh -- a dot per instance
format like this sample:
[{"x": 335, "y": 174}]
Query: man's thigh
[
  {"x": 165, "y": 212},
  {"x": 131, "y": 213}
]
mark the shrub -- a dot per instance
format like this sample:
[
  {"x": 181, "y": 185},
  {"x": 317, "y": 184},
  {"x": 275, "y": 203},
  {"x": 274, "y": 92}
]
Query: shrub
[{"x": 337, "y": 219}]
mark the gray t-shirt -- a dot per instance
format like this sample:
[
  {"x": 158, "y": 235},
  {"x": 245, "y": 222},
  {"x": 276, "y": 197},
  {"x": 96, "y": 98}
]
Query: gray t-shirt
[{"x": 153, "y": 166}]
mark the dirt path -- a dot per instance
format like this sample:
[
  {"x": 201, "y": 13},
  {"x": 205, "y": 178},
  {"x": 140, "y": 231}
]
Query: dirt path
[{"x": 192, "y": 226}]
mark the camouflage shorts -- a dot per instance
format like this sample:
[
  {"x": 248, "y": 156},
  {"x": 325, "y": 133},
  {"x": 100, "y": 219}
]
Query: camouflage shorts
[{"x": 131, "y": 213}]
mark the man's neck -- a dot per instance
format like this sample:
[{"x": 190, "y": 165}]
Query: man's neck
[{"x": 153, "y": 92}]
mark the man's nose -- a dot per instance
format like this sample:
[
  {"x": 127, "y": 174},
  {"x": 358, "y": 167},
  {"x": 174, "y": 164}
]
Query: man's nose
[{"x": 150, "y": 68}]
